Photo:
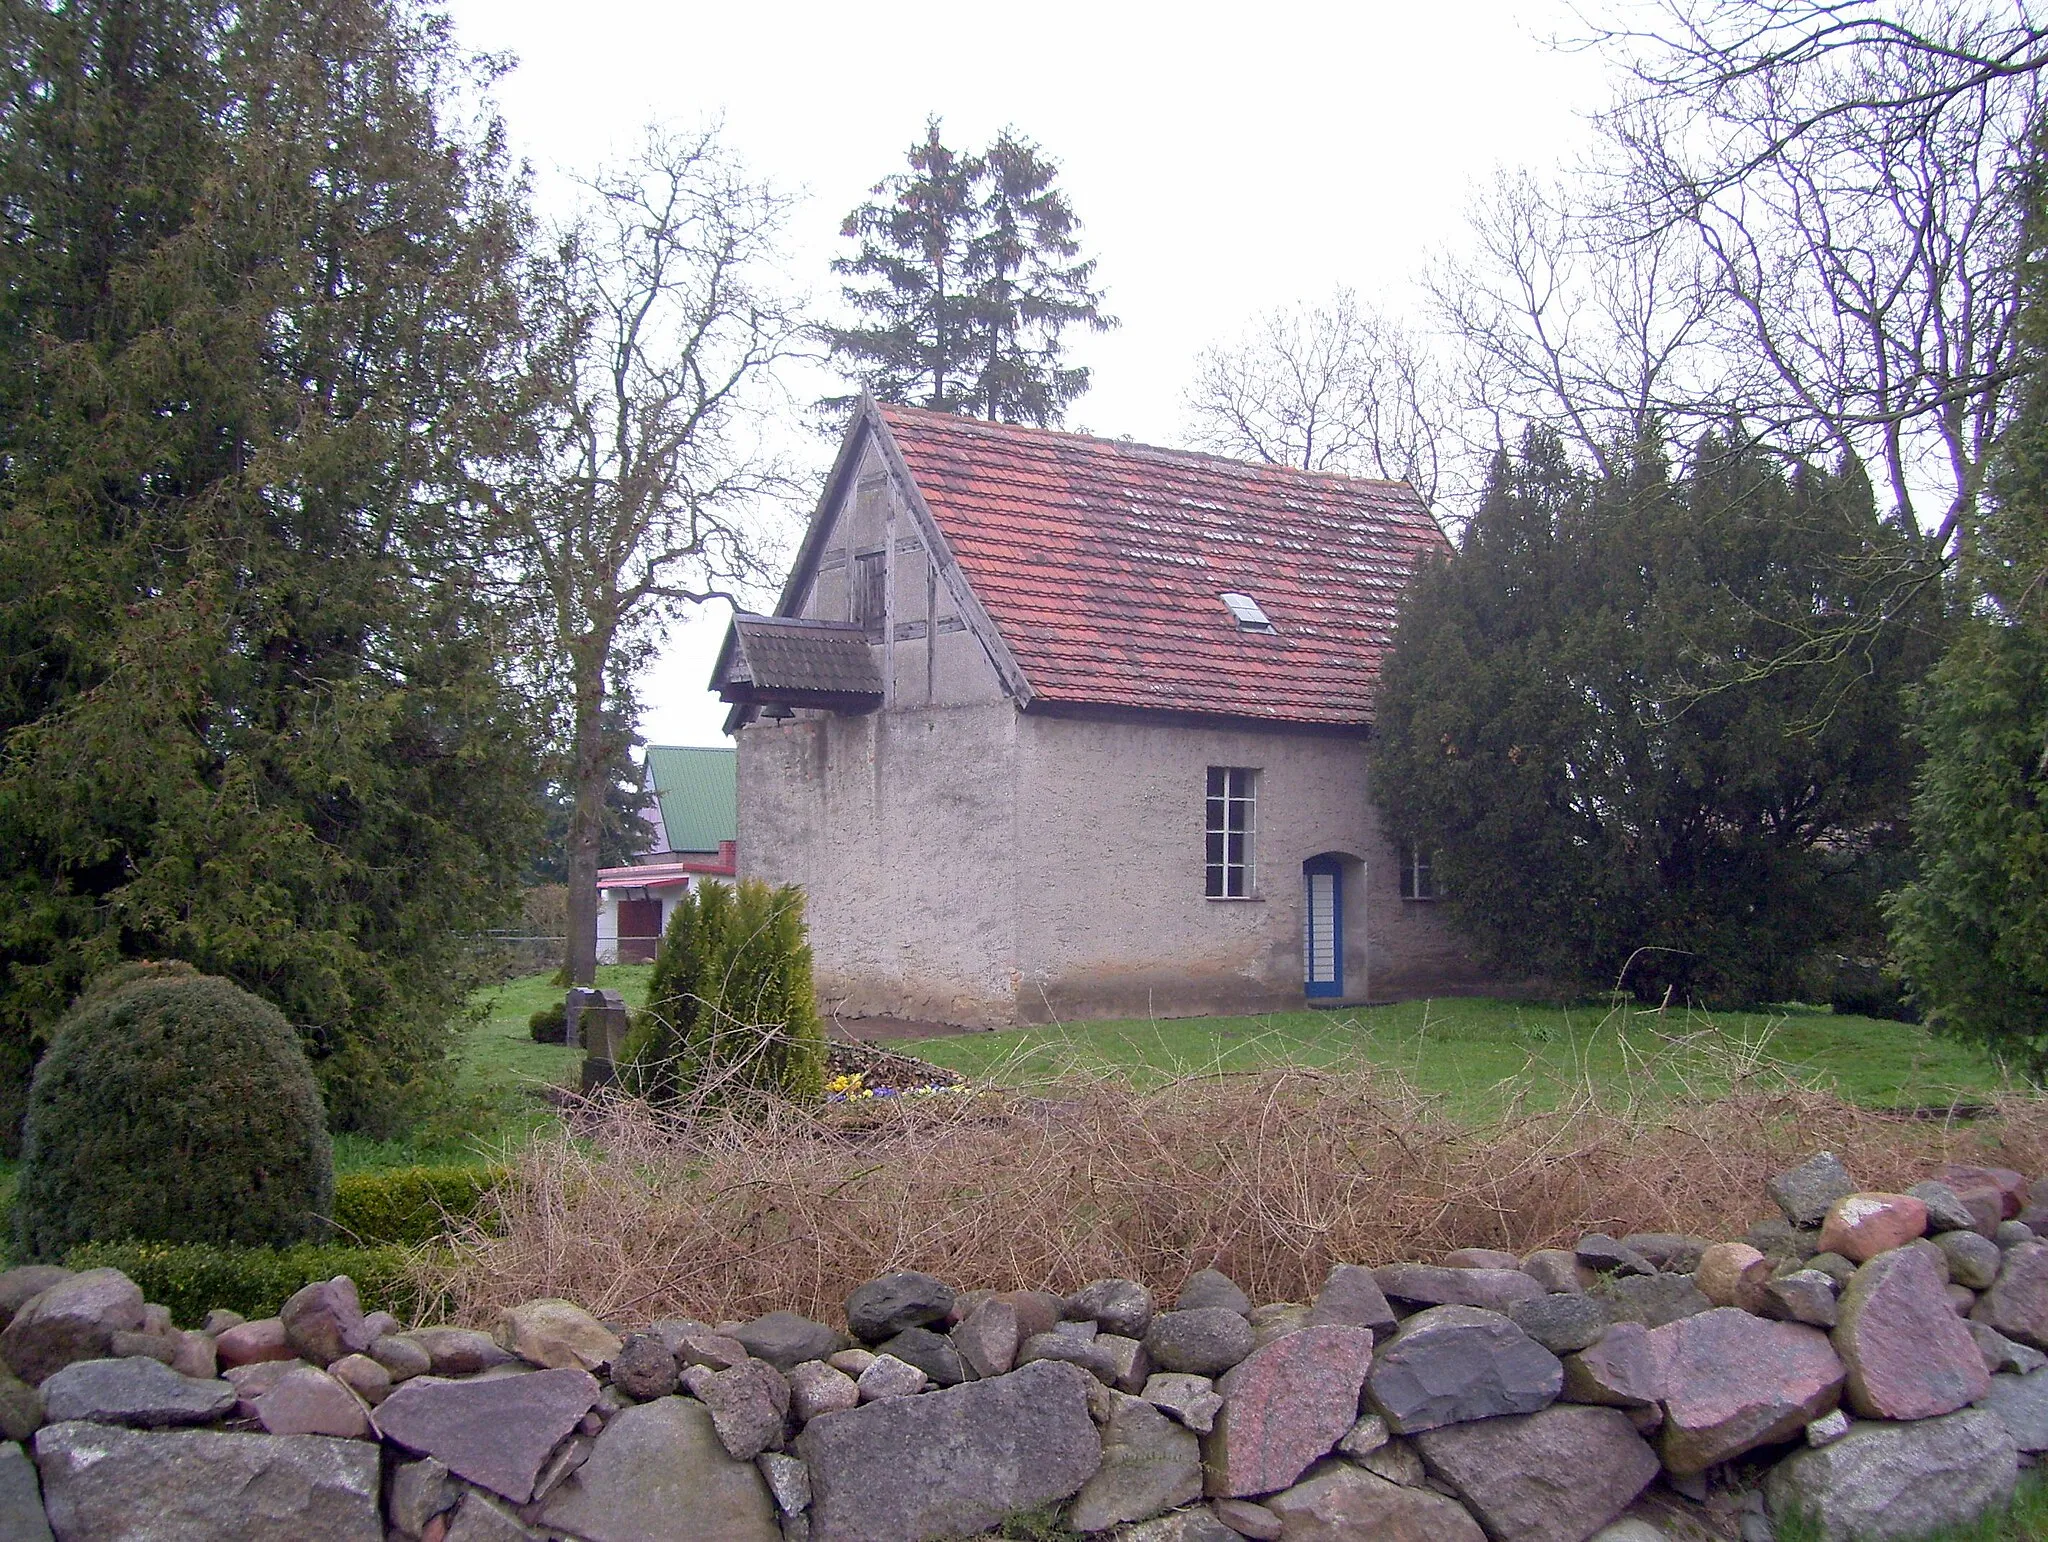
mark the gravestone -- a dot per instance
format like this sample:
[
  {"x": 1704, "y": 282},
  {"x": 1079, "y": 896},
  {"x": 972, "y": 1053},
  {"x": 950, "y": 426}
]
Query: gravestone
[{"x": 598, "y": 1022}]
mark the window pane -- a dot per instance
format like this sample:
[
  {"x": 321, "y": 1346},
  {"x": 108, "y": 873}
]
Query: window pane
[
  {"x": 1215, "y": 883},
  {"x": 1217, "y": 777},
  {"x": 1215, "y": 846}
]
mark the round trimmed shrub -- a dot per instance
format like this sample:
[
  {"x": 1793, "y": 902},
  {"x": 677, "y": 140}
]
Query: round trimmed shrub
[
  {"x": 174, "y": 1109},
  {"x": 550, "y": 1025}
]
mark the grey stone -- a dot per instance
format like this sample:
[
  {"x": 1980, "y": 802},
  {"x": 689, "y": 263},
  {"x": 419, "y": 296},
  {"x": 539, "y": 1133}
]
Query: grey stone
[
  {"x": 1277, "y": 1319},
  {"x": 161, "y": 1347},
  {"x": 104, "y": 1481},
  {"x": 219, "y": 1320},
  {"x": 2017, "y": 1304},
  {"x": 480, "y": 1518},
  {"x": 932, "y": 1353},
  {"x": 21, "y": 1498},
  {"x": 719, "y": 1351},
  {"x": 1833, "y": 1265},
  {"x": 1207, "y": 1288},
  {"x": 1352, "y": 1298},
  {"x": 1130, "y": 1365},
  {"x": 1191, "y": 1399},
  {"x": 2010, "y": 1234},
  {"x": 1248, "y": 1518},
  {"x": 569, "y": 1456},
  {"x": 1200, "y": 1341},
  {"x": 21, "y": 1408},
  {"x": 1554, "y": 1476},
  {"x": 324, "y": 1321},
  {"x": 987, "y": 1338},
  {"x": 140, "y": 1391},
  {"x": 1669, "y": 1251},
  {"x": 309, "y": 1401},
  {"x": 1554, "y": 1269},
  {"x": 419, "y": 1491},
  {"x": 1453, "y": 1363},
  {"x": 644, "y": 1368},
  {"x": 18, "y": 1286},
  {"x": 1972, "y": 1260},
  {"x": 816, "y": 1388},
  {"x": 789, "y": 1481},
  {"x": 1945, "y": 1208},
  {"x": 1603, "y": 1255},
  {"x": 1804, "y": 1295},
  {"x": 1149, "y": 1464},
  {"x": 1828, "y": 1428},
  {"x": 885, "y": 1306},
  {"x": 1631, "y": 1529},
  {"x": 1561, "y": 1323},
  {"x": 1652, "y": 1299},
  {"x": 1433, "y": 1285},
  {"x": 1397, "y": 1461},
  {"x": 1116, "y": 1306},
  {"x": 952, "y": 1462},
  {"x": 74, "y": 1319},
  {"x": 1778, "y": 1238},
  {"x": 2021, "y": 1403},
  {"x": 1339, "y": 1502},
  {"x": 1086, "y": 1332},
  {"x": 1806, "y": 1192},
  {"x": 1891, "y": 1482},
  {"x": 497, "y": 1431},
  {"x": 659, "y": 1473},
  {"x": 784, "y": 1339},
  {"x": 1196, "y": 1525},
  {"x": 1096, "y": 1359},
  {"x": 748, "y": 1404},
  {"x": 888, "y": 1377},
  {"x": 2002, "y": 1354},
  {"x": 457, "y": 1351},
  {"x": 1365, "y": 1437}
]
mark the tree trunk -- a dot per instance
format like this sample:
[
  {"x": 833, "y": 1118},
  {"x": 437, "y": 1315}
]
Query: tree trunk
[{"x": 587, "y": 773}]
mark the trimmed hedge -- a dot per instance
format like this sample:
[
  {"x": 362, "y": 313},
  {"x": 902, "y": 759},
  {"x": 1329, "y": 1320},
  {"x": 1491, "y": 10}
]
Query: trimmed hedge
[
  {"x": 408, "y": 1205},
  {"x": 194, "y": 1278},
  {"x": 172, "y": 1107}
]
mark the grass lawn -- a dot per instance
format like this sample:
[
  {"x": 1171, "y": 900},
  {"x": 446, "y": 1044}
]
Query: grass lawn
[
  {"x": 1475, "y": 1052},
  {"x": 494, "y": 1074}
]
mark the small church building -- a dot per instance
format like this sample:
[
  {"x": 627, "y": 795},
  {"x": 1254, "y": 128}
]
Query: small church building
[{"x": 1051, "y": 727}]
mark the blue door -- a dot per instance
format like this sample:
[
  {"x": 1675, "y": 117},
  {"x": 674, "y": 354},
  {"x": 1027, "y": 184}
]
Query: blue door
[{"x": 1322, "y": 946}]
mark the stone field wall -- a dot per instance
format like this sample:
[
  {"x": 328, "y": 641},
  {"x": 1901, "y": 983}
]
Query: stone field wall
[{"x": 1871, "y": 1362}]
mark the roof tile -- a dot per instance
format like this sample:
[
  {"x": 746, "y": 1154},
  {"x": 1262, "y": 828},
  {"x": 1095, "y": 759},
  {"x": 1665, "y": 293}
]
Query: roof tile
[{"x": 1102, "y": 564}]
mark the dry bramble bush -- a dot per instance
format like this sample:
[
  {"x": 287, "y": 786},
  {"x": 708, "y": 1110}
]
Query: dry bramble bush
[{"x": 1270, "y": 1176}]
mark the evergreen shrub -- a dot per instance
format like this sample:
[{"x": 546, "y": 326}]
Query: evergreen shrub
[
  {"x": 550, "y": 1025},
  {"x": 173, "y": 1109},
  {"x": 194, "y": 1278},
  {"x": 731, "y": 1010},
  {"x": 409, "y": 1206}
]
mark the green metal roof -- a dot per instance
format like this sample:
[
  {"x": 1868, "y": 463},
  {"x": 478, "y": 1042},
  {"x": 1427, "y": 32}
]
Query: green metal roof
[{"x": 698, "y": 790}]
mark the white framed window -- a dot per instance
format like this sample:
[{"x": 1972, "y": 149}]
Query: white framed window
[
  {"x": 1231, "y": 825},
  {"x": 1418, "y": 874}
]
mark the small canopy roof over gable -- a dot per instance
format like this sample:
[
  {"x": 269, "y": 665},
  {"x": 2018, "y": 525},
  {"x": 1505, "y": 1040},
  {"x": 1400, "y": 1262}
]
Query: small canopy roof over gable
[
  {"x": 787, "y": 662},
  {"x": 1095, "y": 571}
]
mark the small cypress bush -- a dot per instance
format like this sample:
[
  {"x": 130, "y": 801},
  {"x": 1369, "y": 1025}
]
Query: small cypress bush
[
  {"x": 173, "y": 1109},
  {"x": 730, "y": 1004},
  {"x": 550, "y": 1025}
]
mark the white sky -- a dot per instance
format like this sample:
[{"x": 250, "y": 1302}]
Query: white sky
[{"x": 1223, "y": 159}]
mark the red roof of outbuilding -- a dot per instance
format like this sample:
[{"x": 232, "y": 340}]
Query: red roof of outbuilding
[{"x": 1101, "y": 563}]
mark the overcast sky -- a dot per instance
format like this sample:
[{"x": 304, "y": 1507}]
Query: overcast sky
[{"x": 1223, "y": 159}]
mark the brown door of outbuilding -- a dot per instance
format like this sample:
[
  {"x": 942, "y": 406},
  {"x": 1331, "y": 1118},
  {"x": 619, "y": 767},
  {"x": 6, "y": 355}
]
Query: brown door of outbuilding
[{"x": 639, "y": 930}]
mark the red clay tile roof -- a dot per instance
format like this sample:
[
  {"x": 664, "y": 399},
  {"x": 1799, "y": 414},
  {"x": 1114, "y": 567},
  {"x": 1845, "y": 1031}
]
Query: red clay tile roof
[{"x": 1101, "y": 563}]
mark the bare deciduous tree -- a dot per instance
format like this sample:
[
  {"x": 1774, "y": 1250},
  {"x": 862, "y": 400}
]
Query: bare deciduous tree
[
  {"x": 1332, "y": 387},
  {"x": 656, "y": 325}
]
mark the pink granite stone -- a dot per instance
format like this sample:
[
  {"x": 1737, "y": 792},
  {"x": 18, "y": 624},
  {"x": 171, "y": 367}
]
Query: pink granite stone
[{"x": 1283, "y": 1407}]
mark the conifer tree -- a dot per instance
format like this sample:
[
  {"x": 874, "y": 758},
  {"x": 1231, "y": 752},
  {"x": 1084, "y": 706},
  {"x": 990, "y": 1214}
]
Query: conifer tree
[{"x": 968, "y": 276}]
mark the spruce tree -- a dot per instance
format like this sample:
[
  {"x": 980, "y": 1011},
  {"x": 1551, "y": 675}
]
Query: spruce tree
[
  {"x": 970, "y": 275},
  {"x": 254, "y": 308}
]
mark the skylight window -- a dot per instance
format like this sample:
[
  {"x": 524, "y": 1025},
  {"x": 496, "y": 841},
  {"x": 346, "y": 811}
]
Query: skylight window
[{"x": 1244, "y": 610}]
